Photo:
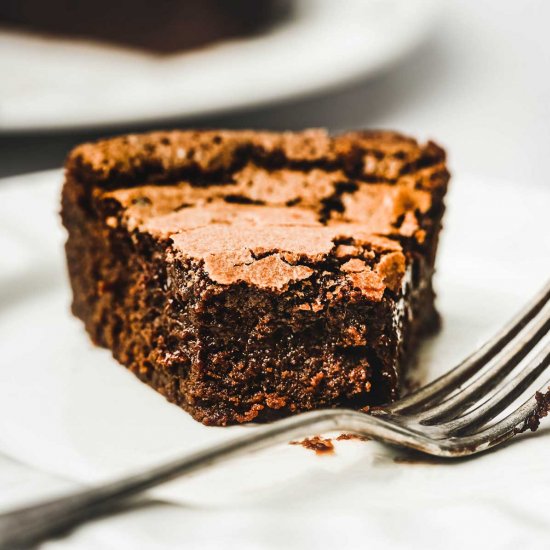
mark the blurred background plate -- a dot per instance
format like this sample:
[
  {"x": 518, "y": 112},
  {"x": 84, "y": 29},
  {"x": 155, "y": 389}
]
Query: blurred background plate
[{"x": 59, "y": 84}]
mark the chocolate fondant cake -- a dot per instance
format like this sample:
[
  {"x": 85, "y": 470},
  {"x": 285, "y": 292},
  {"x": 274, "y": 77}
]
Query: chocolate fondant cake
[{"x": 251, "y": 275}]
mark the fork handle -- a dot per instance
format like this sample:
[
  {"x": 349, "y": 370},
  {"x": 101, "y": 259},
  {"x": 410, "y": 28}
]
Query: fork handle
[{"x": 26, "y": 526}]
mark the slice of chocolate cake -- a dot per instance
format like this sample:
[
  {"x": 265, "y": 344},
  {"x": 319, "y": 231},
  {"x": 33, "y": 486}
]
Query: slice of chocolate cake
[{"x": 250, "y": 275}]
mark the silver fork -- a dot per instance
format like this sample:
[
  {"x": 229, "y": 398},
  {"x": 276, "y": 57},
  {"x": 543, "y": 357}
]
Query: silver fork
[{"x": 468, "y": 410}]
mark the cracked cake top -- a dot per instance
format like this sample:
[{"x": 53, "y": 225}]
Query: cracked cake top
[
  {"x": 136, "y": 159},
  {"x": 271, "y": 208}
]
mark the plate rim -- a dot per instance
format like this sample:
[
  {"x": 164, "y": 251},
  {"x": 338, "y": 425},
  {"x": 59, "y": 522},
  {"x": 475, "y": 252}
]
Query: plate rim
[{"x": 425, "y": 14}]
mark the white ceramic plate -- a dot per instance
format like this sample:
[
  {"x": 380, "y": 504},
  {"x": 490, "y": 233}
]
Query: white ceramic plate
[
  {"x": 68, "y": 408},
  {"x": 52, "y": 83}
]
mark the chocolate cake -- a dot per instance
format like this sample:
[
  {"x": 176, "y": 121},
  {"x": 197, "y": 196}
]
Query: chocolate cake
[
  {"x": 163, "y": 27},
  {"x": 251, "y": 275}
]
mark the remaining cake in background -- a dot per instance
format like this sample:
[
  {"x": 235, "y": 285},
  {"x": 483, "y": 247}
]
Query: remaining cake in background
[
  {"x": 163, "y": 27},
  {"x": 250, "y": 275}
]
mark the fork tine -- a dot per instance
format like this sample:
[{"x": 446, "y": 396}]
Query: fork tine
[
  {"x": 500, "y": 431},
  {"x": 492, "y": 373},
  {"x": 446, "y": 384},
  {"x": 500, "y": 397}
]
